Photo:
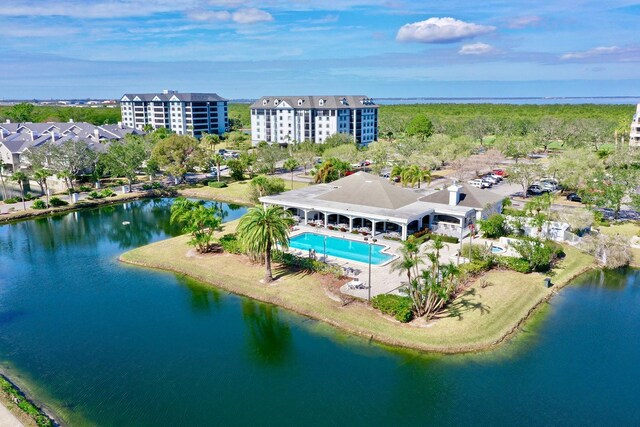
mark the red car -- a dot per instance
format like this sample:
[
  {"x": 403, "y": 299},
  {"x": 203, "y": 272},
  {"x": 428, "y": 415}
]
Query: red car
[{"x": 501, "y": 172}]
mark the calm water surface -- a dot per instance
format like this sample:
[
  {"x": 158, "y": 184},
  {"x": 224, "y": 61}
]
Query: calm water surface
[{"x": 113, "y": 345}]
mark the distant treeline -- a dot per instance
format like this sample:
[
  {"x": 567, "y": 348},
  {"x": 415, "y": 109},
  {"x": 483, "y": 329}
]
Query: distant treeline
[{"x": 450, "y": 119}]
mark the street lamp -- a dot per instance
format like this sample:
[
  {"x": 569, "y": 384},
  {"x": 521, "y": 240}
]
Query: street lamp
[{"x": 370, "y": 242}]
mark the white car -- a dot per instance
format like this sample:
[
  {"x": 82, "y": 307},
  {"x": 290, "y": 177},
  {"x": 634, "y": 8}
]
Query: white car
[{"x": 478, "y": 183}]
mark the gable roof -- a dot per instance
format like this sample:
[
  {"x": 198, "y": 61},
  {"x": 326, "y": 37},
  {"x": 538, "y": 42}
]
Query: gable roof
[
  {"x": 470, "y": 197},
  {"x": 366, "y": 189},
  {"x": 318, "y": 102},
  {"x": 173, "y": 96}
]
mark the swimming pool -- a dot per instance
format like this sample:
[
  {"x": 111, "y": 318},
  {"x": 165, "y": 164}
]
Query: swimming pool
[{"x": 341, "y": 248}]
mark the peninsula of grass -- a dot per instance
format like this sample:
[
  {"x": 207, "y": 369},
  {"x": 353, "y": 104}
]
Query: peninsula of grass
[{"x": 488, "y": 312}]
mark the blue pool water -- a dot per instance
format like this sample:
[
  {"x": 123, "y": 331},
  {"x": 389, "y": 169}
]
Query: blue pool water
[{"x": 341, "y": 248}]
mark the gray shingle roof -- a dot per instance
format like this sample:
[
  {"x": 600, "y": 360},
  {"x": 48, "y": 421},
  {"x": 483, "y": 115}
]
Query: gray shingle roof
[
  {"x": 366, "y": 189},
  {"x": 184, "y": 97},
  {"x": 317, "y": 102},
  {"x": 469, "y": 197}
]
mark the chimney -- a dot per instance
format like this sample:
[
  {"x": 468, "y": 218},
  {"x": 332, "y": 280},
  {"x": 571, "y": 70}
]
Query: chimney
[
  {"x": 454, "y": 194},
  {"x": 96, "y": 133},
  {"x": 120, "y": 125},
  {"x": 31, "y": 134},
  {"x": 8, "y": 121},
  {"x": 70, "y": 120}
]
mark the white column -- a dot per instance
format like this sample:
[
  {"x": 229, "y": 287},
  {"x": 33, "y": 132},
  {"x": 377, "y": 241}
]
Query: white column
[
  {"x": 305, "y": 216},
  {"x": 373, "y": 228},
  {"x": 404, "y": 231},
  {"x": 350, "y": 224}
]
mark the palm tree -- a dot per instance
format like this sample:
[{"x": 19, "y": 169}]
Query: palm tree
[
  {"x": 198, "y": 220},
  {"x": 218, "y": 159},
  {"x": 291, "y": 164},
  {"x": 4, "y": 188},
  {"x": 20, "y": 178},
  {"x": 399, "y": 170},
  {"x": 41, "y": 175},
  {"x": 263, "y": 228},
  {"x": 68, "y": 179}
]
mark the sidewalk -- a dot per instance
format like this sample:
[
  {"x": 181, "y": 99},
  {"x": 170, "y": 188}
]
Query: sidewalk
[{"x": 7, "y": 419}]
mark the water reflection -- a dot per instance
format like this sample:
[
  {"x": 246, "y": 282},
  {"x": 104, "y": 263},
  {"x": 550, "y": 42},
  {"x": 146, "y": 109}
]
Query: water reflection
[
  {"x": 202, "y": 298},
  {"x": 269, "y": 336},
  {"x": 612, "y": 280}
]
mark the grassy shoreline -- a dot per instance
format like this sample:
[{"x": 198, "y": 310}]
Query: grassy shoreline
[
  {"x": 490, "y": 312},
  {"x": 22, "y": 406},
  {"x": 83, "y": 204}
]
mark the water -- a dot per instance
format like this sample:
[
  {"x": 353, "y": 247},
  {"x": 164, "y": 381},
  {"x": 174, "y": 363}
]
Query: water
[
  {"x": 569, "y": 100},
  {"x": 341, "y": 248},
  {"x": 113, "y": 345}
]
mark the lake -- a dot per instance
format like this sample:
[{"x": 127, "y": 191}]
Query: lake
[{"x": 108, "y": 344}]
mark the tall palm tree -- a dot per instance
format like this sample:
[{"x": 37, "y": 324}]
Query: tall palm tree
[
  {"x": 263, "y": 228},
  {"x": 291, "y": 164},
  {"x": 218, "y": 159},
  {"x": 399, "y": 170},
  {"x": 20, "y": 178},
  {"x": 41, "y": 175},
  {"x": 4, "y": 188}
]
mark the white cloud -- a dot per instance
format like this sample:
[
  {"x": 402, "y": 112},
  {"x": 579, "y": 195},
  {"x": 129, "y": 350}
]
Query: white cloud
[
  {"x": 240, "y": 16},
  {"x": 591, "y": 53},
  {"x": 441, "y": 30},
  {"x": 523, "y": 22},
  {"x": 209, "y": 15},
  {"x": 476, "y": 49},
  {"x": 251, "y": 16}
]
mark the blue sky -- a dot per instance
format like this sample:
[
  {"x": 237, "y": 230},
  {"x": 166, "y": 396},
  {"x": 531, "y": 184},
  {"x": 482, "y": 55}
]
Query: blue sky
[{"x": 381, "y": 48}]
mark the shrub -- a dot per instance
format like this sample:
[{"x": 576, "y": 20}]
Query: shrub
[
  {"x": 39, "y": 204},
  {"x": 12, "y": 200},
  {"x": 400, "y": 307},
  {"x": 305, "y": 263},
  {"x": 215, "y": 184},
  {"x": 146, "y": 186},
  {"x": 538, "y": 254},
  {"x": 95, "y": 195},
  {"x": 265, "y": 186},
  {"x": 494, "y": 226},
  {"x": 107, "y": 192},
  {"x": 156, "y": 185},
  {"x": 29, "y": 196},
  {"x": 85, "y": 188},
  {"x": 473, "y": 268},
  {"x": 448, "y": 239},
  {"x": 513, "y": 263},
  {"x": 55, "y": 202},
  {"x": 231, "y": 244}
]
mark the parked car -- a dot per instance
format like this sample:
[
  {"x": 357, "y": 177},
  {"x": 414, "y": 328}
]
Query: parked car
[
  {"x": 574, "y": 197},
  {"x": 491, "y": 179},
  {"x": 478, "y": 183},
  {"x": 496, "y": 176},
  {"x": 535, "y": 189},
  {"x": 500, "y": 172}
]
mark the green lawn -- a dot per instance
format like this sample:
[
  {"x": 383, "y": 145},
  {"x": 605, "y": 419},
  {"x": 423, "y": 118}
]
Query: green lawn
[
  {"x": 490, "y": 309},
  {"x": 627, "y": 229}
]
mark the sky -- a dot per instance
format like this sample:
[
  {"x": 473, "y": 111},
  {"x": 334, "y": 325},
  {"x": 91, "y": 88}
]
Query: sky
[{"x": 379, "y": 48}]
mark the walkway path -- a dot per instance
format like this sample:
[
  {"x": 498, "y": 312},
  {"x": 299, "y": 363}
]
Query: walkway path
[{"x": 7, "y": 419}]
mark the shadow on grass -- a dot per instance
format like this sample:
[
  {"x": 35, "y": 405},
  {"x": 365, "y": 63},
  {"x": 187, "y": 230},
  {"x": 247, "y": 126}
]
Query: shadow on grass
[
  {"x": 465, "y": 303},
  {"x": 284, "y": 272}
]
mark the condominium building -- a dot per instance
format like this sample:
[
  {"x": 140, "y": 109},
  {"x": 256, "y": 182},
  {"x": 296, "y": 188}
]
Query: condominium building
[
  {"x": 634, "y": 136},
  {"x": 183, "y": 113},
  {"x": 289, "y": 119}
]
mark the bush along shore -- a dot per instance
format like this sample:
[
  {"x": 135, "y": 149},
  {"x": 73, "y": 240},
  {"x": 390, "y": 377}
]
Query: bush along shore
[
  {"x": 84, "y": 204},
  {"x": 11, "y": 395}
]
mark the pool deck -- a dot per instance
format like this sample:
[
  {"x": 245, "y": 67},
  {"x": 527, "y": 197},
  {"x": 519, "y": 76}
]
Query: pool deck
[{"x": 383, "y": 280}]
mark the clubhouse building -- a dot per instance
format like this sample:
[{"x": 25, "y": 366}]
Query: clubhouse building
[{"x": 368, "y": 203}]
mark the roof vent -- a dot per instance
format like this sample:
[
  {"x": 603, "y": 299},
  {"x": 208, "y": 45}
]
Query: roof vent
[
  {"x": 321, "y": 102},
  {"x": 300, "y": 101},
  {"x": 265, "y": 101}
]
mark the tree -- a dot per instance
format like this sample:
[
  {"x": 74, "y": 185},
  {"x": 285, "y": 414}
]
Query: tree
[
  {"x": 514, "y": 148},
  {"x": 414, "y": 174},
  {"x": 40, "y": 176},
  {"x": 22, "y": 112},
  {"x": 547, "y": 130},
  {"x": 538, "y": 254},
  {"x": 291, "y": 164},
  {"x": 479, "y": 127},
  {"x": 336, "y": 140},
  {"x": 305, "y": 153},
  {"x": 198, "y": 220},
  {"x": 263, "y": 185},
  {"x": 379, "y": 152},
  {"x": 267, "y": 156},
  {"x": 420, "y": 126},
  {"x": 70, "y": 159},
  {"x": 494, "y": 226},
  {"x": 177, "y": 154},
  {"x": 524, "y": 174},
  {"x": 20, "y": 178},
  {"x": 330, "y": 170},
  {"x": 608, "y": 188},
  {"x": 125, "y": 158},
  {"x": 236, "y": 169},
  {"x": 211, "y": 140},
  {"x": 609, "y": 251},
  {"x": 261, "y": 229},
  {"x": 217, "y": 160},
  {"x": 4, "y": 187},
  {"x": 569, "y": 167},
  {"x": 347, "y": 152}
]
